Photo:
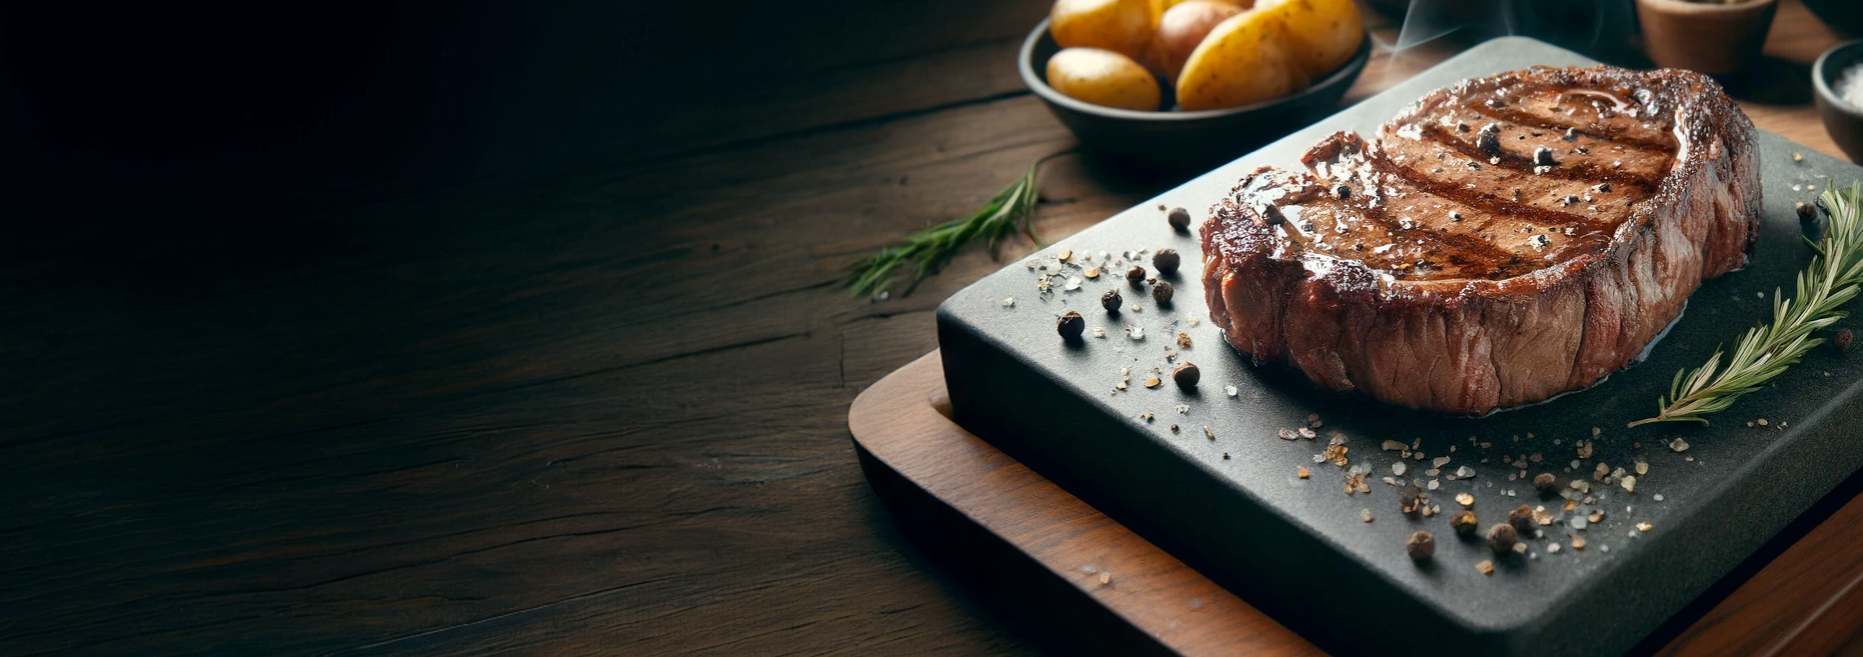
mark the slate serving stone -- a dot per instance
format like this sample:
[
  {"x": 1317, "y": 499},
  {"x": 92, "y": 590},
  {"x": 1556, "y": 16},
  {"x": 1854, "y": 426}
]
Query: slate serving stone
[{"x": 1230, "y": 502}]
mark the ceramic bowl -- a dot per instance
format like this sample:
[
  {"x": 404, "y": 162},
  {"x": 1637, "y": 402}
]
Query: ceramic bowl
[
  {"x": 1185, "y": 138},
  {"x": 1841, "y": 119}
]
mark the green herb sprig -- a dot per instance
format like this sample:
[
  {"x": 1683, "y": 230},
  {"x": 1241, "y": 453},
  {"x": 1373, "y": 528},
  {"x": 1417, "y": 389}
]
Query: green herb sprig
[
  {"x": 1767, "y": 350},
  {"x": 929, "y": 250}
]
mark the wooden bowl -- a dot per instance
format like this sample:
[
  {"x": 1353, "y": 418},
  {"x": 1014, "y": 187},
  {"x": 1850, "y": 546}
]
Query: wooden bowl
[
  {"x": 1842, "y": 120},
  {"x": 1185, "y": 138},
  {"x": 1711, "y": 38}
]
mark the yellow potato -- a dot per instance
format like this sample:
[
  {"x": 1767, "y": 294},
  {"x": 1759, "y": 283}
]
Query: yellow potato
[
  {"x": 1322, "y": 33},
  {"x": 1103, "y": 77},
  {"x": 1122, "y": 26},
  {"x": 1158, "y": 7},
  {"x": 1184, "y": 25},
  {"x": 1243, "y": 60}
]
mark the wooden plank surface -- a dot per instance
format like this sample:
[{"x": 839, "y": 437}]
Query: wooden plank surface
[
  {"x": 1806, "y": 600},
  {"x": 581, "y": 390}
]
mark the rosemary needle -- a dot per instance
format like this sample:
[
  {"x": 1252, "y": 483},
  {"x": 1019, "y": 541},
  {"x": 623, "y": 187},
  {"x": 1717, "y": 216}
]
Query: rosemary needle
[
  {"x": 929, "y": 250},
  {"x": 1767, "y": 350}
]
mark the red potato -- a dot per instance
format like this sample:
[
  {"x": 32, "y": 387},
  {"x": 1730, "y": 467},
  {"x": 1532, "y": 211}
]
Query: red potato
[{"x": 1184, "y": 25}]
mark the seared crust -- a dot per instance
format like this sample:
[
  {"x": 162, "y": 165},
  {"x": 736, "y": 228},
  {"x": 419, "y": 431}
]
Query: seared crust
[{"x": 1478, "y": 323}]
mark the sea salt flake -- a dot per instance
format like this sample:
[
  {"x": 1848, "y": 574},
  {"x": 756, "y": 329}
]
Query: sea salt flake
[
  {"x": 1464, "y": 472},
  {"x": 1073, "y": 283},
  {"x": 1229, "y": 390},
  {"x": 1009, "y": 302},
  {"x": 1398, "y": 468},
  {"x": 1135, "y": 332},
  {"x": 1678, "y": 445}
]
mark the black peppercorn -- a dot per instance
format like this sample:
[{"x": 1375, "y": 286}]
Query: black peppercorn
[
  {"x": 1420, "y": 546},
  {"x": 1180, "y": 219},
  {"x": 1546, "y": 483},
  {"x": 1071, "y": 325},
  {"x": 1843, "y": 338},
  {"x": 1464, "y": 522},
  {"x": 1521, "y": 518},
  {"x": 1272, "y": 215},
  {"x": 1111, "y": 301},
  {"x": 1167, "y": 261},
  {"x": 1502, "y": 537},
  {"x": 1162, "y": 292},
  {"x": 1186, "y": 375},
  {"x": 1410, "y": 500},
  {"x": 1136, "y": 274},
  {"x": 1489, "y": 139},
  {"x": 1806, "y": 211}
]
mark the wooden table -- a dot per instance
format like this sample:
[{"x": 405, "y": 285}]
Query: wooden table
[{"x": 576, "y": 384}]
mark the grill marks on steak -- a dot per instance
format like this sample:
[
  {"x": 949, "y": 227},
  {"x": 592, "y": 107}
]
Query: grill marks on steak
[{"x": 1449, "y": 265}]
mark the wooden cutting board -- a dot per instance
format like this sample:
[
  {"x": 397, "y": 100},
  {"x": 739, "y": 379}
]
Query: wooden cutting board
[{"x": 1037, "y": 554}]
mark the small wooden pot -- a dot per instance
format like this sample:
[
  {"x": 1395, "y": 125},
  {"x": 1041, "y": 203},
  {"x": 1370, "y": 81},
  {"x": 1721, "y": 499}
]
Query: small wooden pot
[{"x": 1715, "y": 39}]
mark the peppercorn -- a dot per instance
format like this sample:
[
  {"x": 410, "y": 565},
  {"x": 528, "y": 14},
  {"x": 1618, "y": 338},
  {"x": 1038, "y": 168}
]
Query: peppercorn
[
  {"x": 1136, "y": 274},
  {"x": 1420, "y": 546},
  {"x": 1843, "y": 338},
  {"x": 1521, "y": 518},
  {"x": 1161, "y": 292},
  {"x": 1180, "y": 219},
  {"x": 1186, "y": 375},
  {"x": 1166, "y": 260},
  {"x": 1410, "y": 500},
  {"x": 1464, "y": 522},
  {"x": 1111, "y": 301},
  {"x": 1071, "y": 325},
  {"x": 1502, "y": 537},
  {"x": 1546, "y": 483},
  {"x": 1489, "y": 139},
  {"x": 1806, "y": 211}
]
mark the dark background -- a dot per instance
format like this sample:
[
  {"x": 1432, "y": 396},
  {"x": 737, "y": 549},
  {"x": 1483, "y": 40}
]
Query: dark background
[{"x": 378, "y": 328}]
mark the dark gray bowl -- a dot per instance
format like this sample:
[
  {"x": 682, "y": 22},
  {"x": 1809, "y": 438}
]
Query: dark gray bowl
[
  {"x": 1185, "y": 138},
  {"x": 1843, "y": 120}
]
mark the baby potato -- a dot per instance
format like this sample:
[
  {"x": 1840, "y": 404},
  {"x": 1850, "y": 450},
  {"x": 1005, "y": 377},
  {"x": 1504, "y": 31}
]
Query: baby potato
[
  {"x": 1243, "y": 60},
  {"x": 1103, "y": 77},
  {"x": 1158, "y": 7},
  {"x": 1122, "y": 26},
  {"x": 1184, "y": 25},
  {"x": 1322, "y": 34}
]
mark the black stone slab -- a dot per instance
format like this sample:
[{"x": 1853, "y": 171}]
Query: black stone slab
[{"x": 1232, "y": 506}]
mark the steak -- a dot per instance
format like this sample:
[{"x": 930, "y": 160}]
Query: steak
[{"x": 1502, "y": 241}]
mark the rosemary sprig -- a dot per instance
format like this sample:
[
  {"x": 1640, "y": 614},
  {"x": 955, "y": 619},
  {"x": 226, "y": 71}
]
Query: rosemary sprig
[
  {"x": 931, "y": 249},
  {"x": 1768, "y": 349}
]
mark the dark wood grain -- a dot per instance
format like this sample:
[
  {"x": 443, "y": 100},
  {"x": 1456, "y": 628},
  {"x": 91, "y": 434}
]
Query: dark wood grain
[{"x": 578, "y": 387}]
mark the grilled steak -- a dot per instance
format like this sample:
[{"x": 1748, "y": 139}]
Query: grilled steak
[{"x": 1505, "y": 240}]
